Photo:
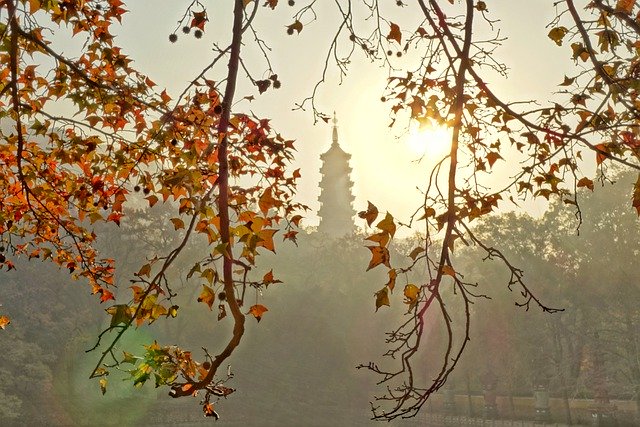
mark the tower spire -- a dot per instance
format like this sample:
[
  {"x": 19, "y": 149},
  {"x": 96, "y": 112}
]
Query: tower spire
[{"x": 336, "y": 212}]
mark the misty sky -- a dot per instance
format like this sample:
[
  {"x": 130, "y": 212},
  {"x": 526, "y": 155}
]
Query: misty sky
[{"x": 384, "y": 167}]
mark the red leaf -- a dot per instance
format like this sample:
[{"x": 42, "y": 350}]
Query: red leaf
[{"x": 394, "y": 33}]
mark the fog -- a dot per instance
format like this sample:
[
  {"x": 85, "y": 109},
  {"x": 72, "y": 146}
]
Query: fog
[{"x": 297, "y": 366}]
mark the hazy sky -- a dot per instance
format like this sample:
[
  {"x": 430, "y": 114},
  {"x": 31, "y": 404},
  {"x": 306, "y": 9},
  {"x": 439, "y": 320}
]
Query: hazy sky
[{"x": 384, "y": 170}]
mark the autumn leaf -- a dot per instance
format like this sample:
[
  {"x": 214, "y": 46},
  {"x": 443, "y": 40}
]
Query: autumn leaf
[
  {"x": 382, "y": 298},
  {"x": 394, "y": 33},
  {"x": 387, "y": 225},
  {"x": 4, "y": 322},
  {"x": 268, "y": 278},
  {"x": 266, "y": 201},
  {"x": 492, "y": 157},
  {"x": 296, "y": 26},
  {"x": 415, "y": 252},
  {"x": 447, "y": 270},
  {"x": 207, "y": 296},
  {"x": 208, "y": 410},
  {"x": 625, "y": 6},
  {"x": 177, "y": 223},
  {"x": 379, "y": 255},
  {"x": 392, "y": 279},
  {"x": 129, "y": 358},
  {"x": 222, "y": 312},
  {"x": 585, "y": 182},
  {"x": 381, "y": 238},
  {"x": 199, "y": 19},
  {"x": 557, "y": 34},
  {"x": 411, "y": 293},
  {"x": 119, "y": 314},
  {"x": 271, "y": 3},
  {"x": 370, "y": 214},
  {"x": 257, "y": 311},
  {"x": 103, "y": 385}
]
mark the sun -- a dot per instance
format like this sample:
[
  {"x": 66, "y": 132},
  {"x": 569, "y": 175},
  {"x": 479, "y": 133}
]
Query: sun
[{"x": 430, "y": 140}]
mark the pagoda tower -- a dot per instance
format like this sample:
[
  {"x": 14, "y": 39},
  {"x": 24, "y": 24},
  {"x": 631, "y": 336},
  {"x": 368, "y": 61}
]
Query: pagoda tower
[{"x": 336, "y": 211}]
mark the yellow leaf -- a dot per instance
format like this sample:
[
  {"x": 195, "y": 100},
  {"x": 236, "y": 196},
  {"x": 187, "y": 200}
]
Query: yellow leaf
[
  {"x": 387, "y": 225},
  {"x": 411, "y": 293},
  {"x": 207, "y": 296},
  {"x": 557, "y": 34},
  {"x": 103, "y": 385},
  {"x": 447, "y": 270},
  {"x": 382, "y": 298},
  {"x": 257, "y": 311}
]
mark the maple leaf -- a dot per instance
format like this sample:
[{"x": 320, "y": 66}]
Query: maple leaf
[
  {"x": 370, "y": 214},
  {"x": 492, "y": 157},
  {"x": 271, "y": 3},
  {"x": 296, "y": 26},
  {"x": 207, "y": 296},
  {"x": 394, "y": 33},
  {"x": 382, "y": 298},
  {"x": 447, "y": 270},
  {"x": 625, "y": 6},
  {"x": 557, "y": 34},
  {"x": 392, "y": 279},
  {"x": 4, "y": 322},
  {"x": 585, "y": 182},
  {"x": 268, "y": 278},
  {"x": 411, "y": 293},
  {"x": 387, "y": 224},
  {"x": 379, "y": 255},
  {"x": 199, "y": 19},
  {"x": 208, "y": 410},
  {"x": 257, "y": 311}
]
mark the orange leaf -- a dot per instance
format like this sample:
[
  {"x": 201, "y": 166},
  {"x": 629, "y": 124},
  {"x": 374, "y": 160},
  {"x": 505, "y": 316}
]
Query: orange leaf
[
  {"x": 394, "y": 33},
  {"x": 392, "y": 279},
  {"x": 207, "y": 296},
  {"x": 266, "y": 201},
  {"x": 4, "y": 321},
  {"x": 625, "y": 6},
  {"x": 585, "y": 182},
  {"x": 257, "y": 311},
  {"x": 268, "y": 278},
  {"x": 379, "y": 255}
]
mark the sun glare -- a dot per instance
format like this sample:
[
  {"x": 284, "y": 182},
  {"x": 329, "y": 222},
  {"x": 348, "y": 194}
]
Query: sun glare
[{"x": 431, "y": 141}]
